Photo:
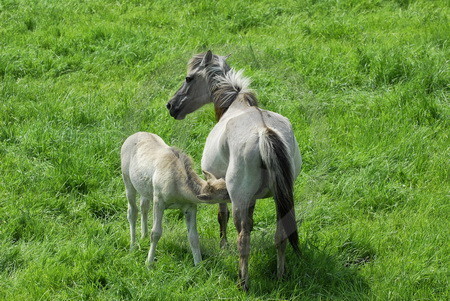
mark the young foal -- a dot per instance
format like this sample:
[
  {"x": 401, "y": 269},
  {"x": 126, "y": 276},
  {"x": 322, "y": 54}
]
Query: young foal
[{"x": 164, "y": 174}]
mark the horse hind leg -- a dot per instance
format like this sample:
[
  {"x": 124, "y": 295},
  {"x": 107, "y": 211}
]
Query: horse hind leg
[
  {"x": 223, "y": 216},
  {"x": 132, "y": 214},
  {"x": 145, "y": 206},
  {"x": 158, "y": 211},
  {"x": 243, "y": 219}
]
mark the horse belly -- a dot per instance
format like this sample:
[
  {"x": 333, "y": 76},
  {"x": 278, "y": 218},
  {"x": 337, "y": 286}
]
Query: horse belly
[
  {"x": 215, "y": 156},
  {"x": 214, "y": 162}
]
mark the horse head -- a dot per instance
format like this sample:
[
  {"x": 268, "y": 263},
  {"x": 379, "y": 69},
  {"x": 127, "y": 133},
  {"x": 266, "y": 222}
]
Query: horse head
[{"x": 196, "y": 89}]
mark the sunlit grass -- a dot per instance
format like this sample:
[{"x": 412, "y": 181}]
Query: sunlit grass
[{"x": 364, "y": 83}]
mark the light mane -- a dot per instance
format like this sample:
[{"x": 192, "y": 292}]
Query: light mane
[
  {"x": 218, "y": 63},
  {"x": 230, "y": 86},
  {"x": 225, "y": 83},
  {"x": 193, "y": 181}
]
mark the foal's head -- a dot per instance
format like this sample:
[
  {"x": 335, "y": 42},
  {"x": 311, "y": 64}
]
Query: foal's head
[
  {"x": 196, "y": 89},
  {"x": 214, "y": 189}
]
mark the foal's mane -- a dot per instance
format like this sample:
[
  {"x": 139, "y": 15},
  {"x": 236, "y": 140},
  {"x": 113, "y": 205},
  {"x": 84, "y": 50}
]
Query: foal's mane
[
  {"x": 192, "y": 178},
  {"x": 226, "y": 84}
]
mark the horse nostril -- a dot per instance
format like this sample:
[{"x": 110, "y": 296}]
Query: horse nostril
[{"x": 168, "y": 105}]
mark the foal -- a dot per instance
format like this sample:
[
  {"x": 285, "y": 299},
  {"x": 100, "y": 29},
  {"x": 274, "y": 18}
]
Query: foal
[{"x": 165, "y": 175}]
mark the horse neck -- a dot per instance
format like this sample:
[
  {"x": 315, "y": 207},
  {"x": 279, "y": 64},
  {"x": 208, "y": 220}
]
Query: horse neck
[
  {"x": 219, "y": 112},
  {"x": 243, "y": 99}
]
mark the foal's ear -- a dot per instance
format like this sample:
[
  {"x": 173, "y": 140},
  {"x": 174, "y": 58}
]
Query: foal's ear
[
  {"x": 207, "y": 59},
  {"x": 208, "y": 175}
]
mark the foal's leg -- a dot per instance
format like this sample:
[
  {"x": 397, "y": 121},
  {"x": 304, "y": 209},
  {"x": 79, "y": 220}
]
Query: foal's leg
[
  {"x": 145, "y": 206},
  {"x": 223, "y": 217},
  {"x": 280, "y": 243},
  {"x": 158, "y": 210},
  {"x": 191, "y": 223},
  {"x": 132, "y": 212}
]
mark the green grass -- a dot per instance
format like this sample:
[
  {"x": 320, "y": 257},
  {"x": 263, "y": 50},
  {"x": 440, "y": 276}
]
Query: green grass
[{"x": 364, "y": 83}]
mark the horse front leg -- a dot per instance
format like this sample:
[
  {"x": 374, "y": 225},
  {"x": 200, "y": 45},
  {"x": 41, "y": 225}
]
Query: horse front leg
[
  {"x": 243, "y": 220},
  {"x": 223, "y": 216}
]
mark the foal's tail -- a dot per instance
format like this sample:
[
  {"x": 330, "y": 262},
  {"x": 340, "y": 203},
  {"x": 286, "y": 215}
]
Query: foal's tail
[{"x": 275, "y": 157}]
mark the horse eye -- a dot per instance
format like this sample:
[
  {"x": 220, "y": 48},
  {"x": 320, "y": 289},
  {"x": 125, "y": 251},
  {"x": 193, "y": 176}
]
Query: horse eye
[{"x": 188, "y": 79}]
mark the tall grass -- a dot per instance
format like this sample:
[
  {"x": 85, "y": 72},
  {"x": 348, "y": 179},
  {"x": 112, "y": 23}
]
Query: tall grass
[{"x": 364, "y": 83}]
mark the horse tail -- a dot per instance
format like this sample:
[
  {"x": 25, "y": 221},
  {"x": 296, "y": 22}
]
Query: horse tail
[{"x": 276, "y": 159}]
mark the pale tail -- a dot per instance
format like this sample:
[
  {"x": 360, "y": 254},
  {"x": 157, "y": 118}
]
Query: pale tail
[{"x": 275, "y": 157}]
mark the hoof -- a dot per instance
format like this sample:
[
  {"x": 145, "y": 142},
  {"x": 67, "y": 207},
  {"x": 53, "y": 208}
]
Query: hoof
[
  {"x": 150, "y": 264},
  {"x": 243, "y": 286},
  {"x": 223, "y": 244},
  {"x": 280, "y": 273},
  {"x": 197, "y": 262}
]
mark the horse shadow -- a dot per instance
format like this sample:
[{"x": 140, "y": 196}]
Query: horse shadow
[
  {"x": 316, "y": 273},
  {"x": 319, "y": 272}
]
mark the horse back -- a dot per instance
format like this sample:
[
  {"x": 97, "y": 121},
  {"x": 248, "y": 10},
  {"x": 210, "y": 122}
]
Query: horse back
[
  {"x": 243, "y": 130},
  {"x": 237, "y": 134}
]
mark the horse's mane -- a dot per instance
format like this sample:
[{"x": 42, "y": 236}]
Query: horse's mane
[
  {"x": 230, "y": 86},
  {"x": 226, "y": 84},
  {"x": 218, "y": 62}
]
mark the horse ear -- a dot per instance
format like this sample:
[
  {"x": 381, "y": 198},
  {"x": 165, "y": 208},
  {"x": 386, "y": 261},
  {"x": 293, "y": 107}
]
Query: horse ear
[
  {"x": 207, "y": 59},
  {"x": 208, "y": 175}
]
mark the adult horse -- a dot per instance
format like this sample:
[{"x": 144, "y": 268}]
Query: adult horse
[{"x": 255, "y": 151}]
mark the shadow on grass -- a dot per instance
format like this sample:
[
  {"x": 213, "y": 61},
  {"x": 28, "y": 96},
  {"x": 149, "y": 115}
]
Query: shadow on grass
[{"x": 315, "y": 274}]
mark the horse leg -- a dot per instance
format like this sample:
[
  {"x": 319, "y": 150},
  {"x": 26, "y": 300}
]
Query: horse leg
[
  {"x": 158, "y": 210},
  {"x": 223, "y": 217},
  {"x": 145, "y": 206},
  {"x": 242, "y": 185},
  {"x": 132, "y": 213},
  {"x": 280, "y": 243},
  {"x": 191, "y": 223},
  {"x": 243, "y": 220}
]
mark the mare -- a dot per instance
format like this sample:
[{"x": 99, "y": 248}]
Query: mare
[{"x": 255, "y": 150}]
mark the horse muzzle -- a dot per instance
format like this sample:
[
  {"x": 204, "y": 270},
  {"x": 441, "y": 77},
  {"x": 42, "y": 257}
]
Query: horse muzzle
[{"x": 174, "y": 110}]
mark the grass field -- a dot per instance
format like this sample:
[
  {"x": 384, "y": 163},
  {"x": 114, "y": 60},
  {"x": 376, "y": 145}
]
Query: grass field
[{"x": 365, "y": 84}]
